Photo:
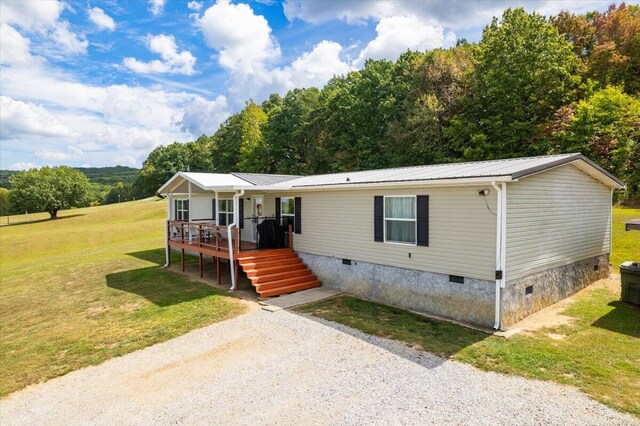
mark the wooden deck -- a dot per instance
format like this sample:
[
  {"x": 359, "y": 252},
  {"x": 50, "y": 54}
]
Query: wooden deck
[{"x": 271, "y": 271}]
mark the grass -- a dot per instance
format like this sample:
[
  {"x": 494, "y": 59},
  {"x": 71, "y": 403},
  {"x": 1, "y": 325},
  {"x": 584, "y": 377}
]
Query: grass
[
  {"x": 599, "y": 352},
  {"x": 626, "y": 244},
  {"x": 89, "y": 286}
]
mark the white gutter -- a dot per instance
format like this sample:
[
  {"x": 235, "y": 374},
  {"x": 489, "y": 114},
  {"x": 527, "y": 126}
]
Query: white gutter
[
  {"x": 166, "y": 232},
  {"x": 236, "y": 207},
  {"x": 501, "y": 235}
]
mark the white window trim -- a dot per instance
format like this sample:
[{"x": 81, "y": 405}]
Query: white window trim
[
  {"x": 180, "y": 208},
  {"x": 415, "y": 220},
  {"x": 291, "y": 215},
  {"x": 227, "y": 202}
]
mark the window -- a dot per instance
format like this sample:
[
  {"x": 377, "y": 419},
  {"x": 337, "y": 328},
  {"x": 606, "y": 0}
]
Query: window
[
  {"x": 225, "y": 212},
  {"x": 288, "y": 212},
  {"x": 182, "y": 209},
  {"x": 400, "y": 219}
]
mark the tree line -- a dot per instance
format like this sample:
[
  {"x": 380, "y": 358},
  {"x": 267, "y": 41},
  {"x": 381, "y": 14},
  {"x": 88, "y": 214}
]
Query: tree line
[{"x": 531, "y": 86}]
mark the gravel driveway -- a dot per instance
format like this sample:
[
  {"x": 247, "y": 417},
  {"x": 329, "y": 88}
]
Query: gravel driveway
[{"x": 284, "y": 368}]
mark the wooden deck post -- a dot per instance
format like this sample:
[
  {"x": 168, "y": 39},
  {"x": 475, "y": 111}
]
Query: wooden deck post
[
  {"x": 200, "y": 265},
  {"x": 182, "y": 260},
  {"x": 290, "y": 236},
  {"x": 218, "y": 270}
]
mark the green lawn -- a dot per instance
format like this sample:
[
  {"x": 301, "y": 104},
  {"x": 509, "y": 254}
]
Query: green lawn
[
  {"x": 599, "y": 352},
  {"x": 89, "y": 286},
  {"x": 626, "y": 244}
]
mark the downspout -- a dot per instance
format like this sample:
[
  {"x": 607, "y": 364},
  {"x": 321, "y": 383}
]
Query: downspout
[
  {"x": 236, "y": 205},
  {"x": 166, "y": 232},
  {"x": 501, "y": 231}
]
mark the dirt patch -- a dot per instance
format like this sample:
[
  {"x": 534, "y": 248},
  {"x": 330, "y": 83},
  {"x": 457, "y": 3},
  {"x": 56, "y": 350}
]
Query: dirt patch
[{"x": 552, "y": 316}]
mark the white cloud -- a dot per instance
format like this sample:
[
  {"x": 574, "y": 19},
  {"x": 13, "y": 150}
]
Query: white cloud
[
  {"x": 439, "y": 13},
  {"x": 203, "y": 116},
  {"x": 23, "y": 166},
  {"x": 22, "y": 118},
  {"x": 31, "y": 15},
  {"x": 67, "y": 41},
  {"x": 14, "y": 48},
  {"x": 173, "y": 62},
  {"x": 312, "y": 68},
  {"x": 156, "y": 7},
  {"x": 194, "y": 5},
  {"x": 243, "y": 40},
  {"x": 101, "y": 19},
  {"x": 42, "y": 20},
  {"x": 126, "y": 160},
  {"x": 72, "y": 153},
  {"x": 398, "y": 33}
]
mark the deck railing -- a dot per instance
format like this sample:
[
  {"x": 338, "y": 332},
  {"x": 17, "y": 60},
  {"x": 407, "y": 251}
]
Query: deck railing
[
  {"x": 251, "y": 227},
  {"x": 203, "y": 235}
]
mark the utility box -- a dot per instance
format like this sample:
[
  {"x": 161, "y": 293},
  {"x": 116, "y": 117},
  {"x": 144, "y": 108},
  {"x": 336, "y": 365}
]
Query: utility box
[{"x": 630, "y": 277}]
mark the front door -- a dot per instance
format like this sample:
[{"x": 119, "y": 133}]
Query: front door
[{"x": 257, "y": 213}]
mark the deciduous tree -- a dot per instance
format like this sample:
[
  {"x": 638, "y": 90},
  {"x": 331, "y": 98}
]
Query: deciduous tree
[{"x": 49, "y": 189}]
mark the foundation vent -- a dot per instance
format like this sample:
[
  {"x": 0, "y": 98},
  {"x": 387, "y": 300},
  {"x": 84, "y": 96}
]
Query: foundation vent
[
  {"x": 456, "y": 279},
  {"x": 528, "y": 290},
  {"x": 346, "y": 261}
]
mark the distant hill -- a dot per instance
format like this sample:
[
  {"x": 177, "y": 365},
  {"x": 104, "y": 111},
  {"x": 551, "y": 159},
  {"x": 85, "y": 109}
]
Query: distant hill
[{"x": 102, "y": 175}]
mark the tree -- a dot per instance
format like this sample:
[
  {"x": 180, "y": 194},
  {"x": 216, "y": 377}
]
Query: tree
[
  {"x": 4, "y": 202},
  {"x": 615, "y": 59},
  {"x": 605, "y": 128},
  {"x": 287, "y": 143},
  {"x": 227, "y": 142},
  {"x": 357, "y": 110},
  {"x": 439, "y": 85},
  {"x": 165, "y": 161},
  {"x": 525, "y": 71},
  {"x": 49, "y": 189},
  {"x": 252, "y": 147}
]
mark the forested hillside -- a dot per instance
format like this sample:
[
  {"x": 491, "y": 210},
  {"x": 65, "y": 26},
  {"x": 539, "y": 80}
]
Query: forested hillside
[
  {"x": 106, "y": 183},
  {"x": 531, "y": 86}
]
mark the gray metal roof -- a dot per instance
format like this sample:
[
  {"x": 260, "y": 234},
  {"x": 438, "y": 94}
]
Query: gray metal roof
[
  {"x": 512, "y": 168},
  {"x": 506, "y": 170},
  {"x": 260, "y": 179}
]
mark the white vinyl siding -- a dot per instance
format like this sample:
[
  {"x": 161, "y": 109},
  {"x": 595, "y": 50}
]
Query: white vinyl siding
[
  {"x": 201, "y": 207},
  {"x": 555, "y": 218},
  {"x": 461, "y": 229}
]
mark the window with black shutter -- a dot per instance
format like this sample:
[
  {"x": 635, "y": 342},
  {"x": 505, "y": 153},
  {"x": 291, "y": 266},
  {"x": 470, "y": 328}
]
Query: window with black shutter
[
  {"x": 378, "y": 218},
  {"x": 422, "y": 225}
]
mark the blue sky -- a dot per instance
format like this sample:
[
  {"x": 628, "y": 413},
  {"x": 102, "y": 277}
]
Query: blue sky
[{"x": 99, "y": 83}]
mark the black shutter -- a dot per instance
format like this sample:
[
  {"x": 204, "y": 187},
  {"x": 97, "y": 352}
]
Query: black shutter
[
  {"x": 175, "y": 210},
  {"x": 278, "y": 209},
  {"x": 213, "y": 209},
  {"x": 423, "y": 220},
  {"x": 188, "y": 209},
  {"x": 297, "y": 222},
  {"x": 241, "y": 212},
  {"x": 378, "y": 218}
]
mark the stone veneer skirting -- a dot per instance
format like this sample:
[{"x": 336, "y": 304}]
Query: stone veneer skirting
[
  {"x": 472, "y": 302},
  {"x": 549, "y": 287},
  {"x": 428, "y": 292}
]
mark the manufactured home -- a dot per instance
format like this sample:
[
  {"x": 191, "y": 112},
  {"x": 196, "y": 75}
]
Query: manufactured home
[{"x": 486, "y": 243}]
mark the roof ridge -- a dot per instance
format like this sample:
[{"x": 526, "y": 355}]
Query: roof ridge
[{"x": 451, "y": 164}]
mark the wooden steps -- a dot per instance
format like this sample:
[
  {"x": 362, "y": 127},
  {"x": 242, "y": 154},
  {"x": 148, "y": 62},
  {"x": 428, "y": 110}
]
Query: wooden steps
[{"x": 275, "y": 272}]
